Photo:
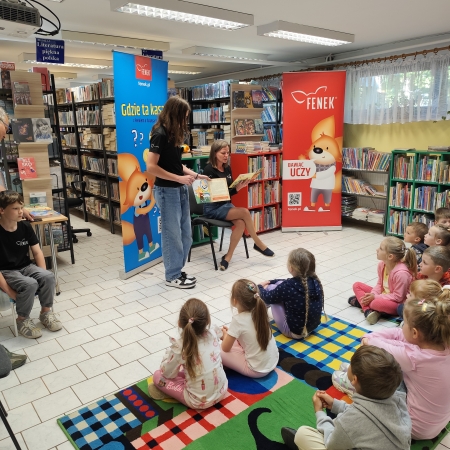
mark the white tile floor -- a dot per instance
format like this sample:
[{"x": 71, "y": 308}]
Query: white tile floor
[{"x": 115, "y": 331}]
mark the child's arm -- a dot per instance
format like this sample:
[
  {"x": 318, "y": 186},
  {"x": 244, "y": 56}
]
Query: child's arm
[
  {"x": 401, "y": 281},
  {"x": 4, "y": 286},
  {"x": 170, "y": 365},
  {"x": 227, "y": 340},
  {"x": 38, "y": 256},
  {"x": 277, "y": 295}
]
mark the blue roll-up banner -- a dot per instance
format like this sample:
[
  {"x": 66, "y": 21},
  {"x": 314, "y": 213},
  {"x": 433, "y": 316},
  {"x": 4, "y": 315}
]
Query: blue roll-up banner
[
  {"x": 140, "y": 91},
  {"x": 49, "y": 51}
]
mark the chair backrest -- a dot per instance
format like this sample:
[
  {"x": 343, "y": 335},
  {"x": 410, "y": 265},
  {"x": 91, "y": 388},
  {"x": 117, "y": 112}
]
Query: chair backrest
[{"x": 193, "y": 205}]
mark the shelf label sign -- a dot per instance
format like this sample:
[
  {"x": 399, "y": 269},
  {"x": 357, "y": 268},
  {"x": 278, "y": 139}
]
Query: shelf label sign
[
  {"x": 49, "y": 51},
  {"x": 155, "y": 54},
  {"x": 313, "y": 122},
  {"x": 140, "y": 94}
]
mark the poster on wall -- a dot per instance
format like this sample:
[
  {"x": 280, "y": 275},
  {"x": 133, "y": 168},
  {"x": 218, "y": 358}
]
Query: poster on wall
[
  {"x": 140, "y": 94},
  {"x": 313, "y": 123}
]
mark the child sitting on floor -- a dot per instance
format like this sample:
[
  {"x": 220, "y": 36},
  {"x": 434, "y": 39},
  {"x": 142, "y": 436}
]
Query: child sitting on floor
[
  {"x": 442, "y": 217},
  {"x": 297, "y": 303},
  {"x": 422, "y": 348},
  {"x": 248, "y": 345},
  {"x": 437, "y": 235},
  {"x": 191, "y": 370},
  {"x": 414, "y": 235},
  {"x": 377, "y": 418},
  {"x": 435, "y": 265},
  {"x": 396, "y": 271}
]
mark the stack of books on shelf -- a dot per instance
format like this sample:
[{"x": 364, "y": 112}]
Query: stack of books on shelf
[
  {"x": 403, "y": 167},
  {"x": 269, "y": 163},
  {"x": 96, "y": 186},
  {"x": 116, "y": 215},
  {"x": 376, "y": 216},
  {"x": 110, "y": 139},
  {"x": 108, "y": 114},
  {"x": 348, "y": 205},
  {"x": 400, "y": 195},
  {"x": 86, "y": 93},
  {"x": 65, "y": 118},
  {"x": 12, "y": 150},
  {"x": 366, "y": 158},
  {"x": 398, "y": 221},
  {"x": 93, "y": 164},
  {"x": 202, "y": 150},
  {"x": 226, "y": 112},
  {"x": 272, "y": 191},
  {"x": 214, "y": 114},
  {"x": 211, "y": 91},
  {"x": 70, "y": 161},
  {"x": 424, "y": 218},
  {"x": 269, "y": 113},
  {"x": 91, "y": 138},
  {"x": 351, "y": 185},
  {"x": 112, "y": 166},
  {"x": 106, "y": 88},
  {"x": 270, "y": 217},
  {"x": 429, "y": 168},
  {"x": 269, "y": 93},
  {"x": 258, "y": 221},
  {"x": 270, "y": 133},
  {"x": 252, "y": 147},
  {"x": 114, "y": 191},
  {"x": 88, "y": 116},
  {"x": 361, "y": 213},
  {"x": 248, "y": 127},
  {"x": 426, "y": 198},
  {"x": 254, "y": 195},
  {"x": 97, "y": 207},
  {"x": 69, "y": 140}
]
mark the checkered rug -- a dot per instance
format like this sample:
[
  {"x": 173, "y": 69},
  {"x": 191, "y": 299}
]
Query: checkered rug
[{"x": 250, "y": 416}]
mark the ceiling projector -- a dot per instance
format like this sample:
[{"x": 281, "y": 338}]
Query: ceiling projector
[{"x": 17, "y": 19}]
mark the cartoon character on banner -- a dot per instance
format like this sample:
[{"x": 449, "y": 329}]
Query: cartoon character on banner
[
  {"x": 325, "y": 152},
  {"x": 136, "y": 191}
]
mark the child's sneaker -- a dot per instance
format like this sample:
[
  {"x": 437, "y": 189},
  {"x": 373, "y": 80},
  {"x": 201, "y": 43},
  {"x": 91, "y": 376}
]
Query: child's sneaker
[
  {"x": 155, "y": 393},
  {"x": 342, "y": 383},
  {"x": 28, "y": 329},
  {"x": 50, "y": 321},
  {"x": 344, "y": 367},
  {"x": 372, "y": 316}
]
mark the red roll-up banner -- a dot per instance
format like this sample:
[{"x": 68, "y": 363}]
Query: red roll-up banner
[{"x": 313, "y": 122}]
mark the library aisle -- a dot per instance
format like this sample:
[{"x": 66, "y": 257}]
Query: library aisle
[{"x": 115, "y": 331}]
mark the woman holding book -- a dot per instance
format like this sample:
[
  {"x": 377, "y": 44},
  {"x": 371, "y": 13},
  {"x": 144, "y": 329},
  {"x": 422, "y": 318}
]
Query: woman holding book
[{"x": 218, "y": 167}]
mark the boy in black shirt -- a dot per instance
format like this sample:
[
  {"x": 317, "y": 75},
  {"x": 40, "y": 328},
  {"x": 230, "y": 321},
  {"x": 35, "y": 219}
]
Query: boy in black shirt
[{"x": 19, "y": 278}]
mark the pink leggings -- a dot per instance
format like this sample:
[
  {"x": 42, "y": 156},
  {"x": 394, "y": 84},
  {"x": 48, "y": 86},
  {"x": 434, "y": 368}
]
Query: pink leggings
[
  {"x": 235, "y": 359},
  {"x": 173, "y": 387},
  {"x": 380, "y": 305}
]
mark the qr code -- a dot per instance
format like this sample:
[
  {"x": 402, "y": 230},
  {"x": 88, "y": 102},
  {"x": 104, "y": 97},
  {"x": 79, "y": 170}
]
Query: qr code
[
  {"x": 159, "y": 224},
  {"x": 295, "y": 199}
]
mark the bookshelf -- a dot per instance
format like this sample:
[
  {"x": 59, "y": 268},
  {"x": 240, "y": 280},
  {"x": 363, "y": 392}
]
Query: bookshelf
[
  {"x": 262, "y": 197},
  {"x": 271, "y": 115},
  {"x": 419, "y": 183}
]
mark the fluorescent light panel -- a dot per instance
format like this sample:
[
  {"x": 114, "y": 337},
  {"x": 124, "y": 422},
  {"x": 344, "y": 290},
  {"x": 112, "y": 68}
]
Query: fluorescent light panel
[
  {"x": 185, "y": 70},
  {"x": 223, "y": 53},
  {"x": 113, "y": 41},
  {"x": 185, "y": 12},
  {"x": 303, "y": 33},
  {"x": 85, "y": 63}
]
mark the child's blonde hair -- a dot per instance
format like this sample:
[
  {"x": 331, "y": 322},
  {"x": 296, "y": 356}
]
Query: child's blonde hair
[
  {"x": 246, "y": 293},
  {"x": 302, "y": 265},
  {"x": 194, "y": 320},
  {"x": 442, "y": 233},
  {"x": 426, "y": 289},
  {"x": 397, "y": 248},
  {"x": 431, "y": 318}
]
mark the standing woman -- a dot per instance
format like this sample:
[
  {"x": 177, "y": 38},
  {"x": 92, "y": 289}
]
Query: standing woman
[
  {"x": 171, "y": 189},
  {"x": 218, "y": 167}
]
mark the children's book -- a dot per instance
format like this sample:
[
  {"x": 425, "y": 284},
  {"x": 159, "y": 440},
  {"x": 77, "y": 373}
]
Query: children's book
[
  {"x": 259, "y": 126},
  {"x": 27, "y": 168},
  {"x": 249, "y": 126},
  {"x": 210, "y": 191},
  {"x": 257, "y": 99},
  {"x": 5, "y": 69},
  {"x": 246, "y": 176},
  {"x": 38, "y": 199},
  {"x": 42, "y": 130},
  {"x": 248, "y": 100},
  {"x": 238, "y": 99},
  {"x": 239, "y": 125},
  {"x": 22, "y": 95},
  {"x": 22, "y": 130}
]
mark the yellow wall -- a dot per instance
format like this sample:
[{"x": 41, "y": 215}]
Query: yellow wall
[{"x": 418, "y": 135}]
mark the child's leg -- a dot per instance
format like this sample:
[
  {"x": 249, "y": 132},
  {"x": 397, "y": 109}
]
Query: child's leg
[
  {"x": 235, "y": 359},
  {"x": 308, "y": 438},
  {"x": 272, "y": 286},
  {"x": 361, "y": 289},
  {"x": 173, "y": 387},
  {"x": 383, "y": 306},
  {"x": 279, "y": 315},
  {"x": 46, "y": 282}
]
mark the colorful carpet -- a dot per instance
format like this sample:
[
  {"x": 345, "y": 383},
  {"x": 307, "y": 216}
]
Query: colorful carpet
[{"x": 250, "y": 416}]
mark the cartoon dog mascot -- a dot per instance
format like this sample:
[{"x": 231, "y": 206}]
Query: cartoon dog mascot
[
  {"x": 136, "y": 192},
  {"x": 325, "y": 151}
]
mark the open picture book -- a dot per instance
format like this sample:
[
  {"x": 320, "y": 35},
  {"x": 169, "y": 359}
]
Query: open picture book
[
  {"x": 246, "y": 176},
  {"x": 210, "y": 191}
]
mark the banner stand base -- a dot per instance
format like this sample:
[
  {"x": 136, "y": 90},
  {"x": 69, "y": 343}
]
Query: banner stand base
[
  {"x": 292, "y": 229},
  {"x": 125, "y": 275}
]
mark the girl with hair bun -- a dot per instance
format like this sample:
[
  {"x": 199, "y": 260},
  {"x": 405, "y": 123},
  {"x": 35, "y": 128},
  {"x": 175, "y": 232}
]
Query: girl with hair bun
[
  {"x": 248, "y": 346},
  {"x": 191, "y": 370}
]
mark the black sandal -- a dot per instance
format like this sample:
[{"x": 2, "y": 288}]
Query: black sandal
[
  {"x": 353, "y": 301},
  {"x": 223, "y": 263}
]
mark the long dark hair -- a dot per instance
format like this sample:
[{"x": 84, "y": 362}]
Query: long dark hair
[{"x": 173, "y": 119}]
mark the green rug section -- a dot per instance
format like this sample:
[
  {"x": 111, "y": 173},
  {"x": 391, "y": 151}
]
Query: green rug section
[
  {"x": 289, "y": 406},
  {"x": 430, "y": 444}
]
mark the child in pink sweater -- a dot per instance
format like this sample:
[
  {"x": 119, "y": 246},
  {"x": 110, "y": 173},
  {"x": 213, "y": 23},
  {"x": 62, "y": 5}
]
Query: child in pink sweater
[{"x": 396, "y": 271}]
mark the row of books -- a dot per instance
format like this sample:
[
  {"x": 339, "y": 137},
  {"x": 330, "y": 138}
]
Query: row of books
[
  {"x": 16, "y": 184},
  {"x": 272, "y": 217},
  {"x": 116, "y": 215},
  {"x": 398, "y": 221},
  {"x": 84, "y": 117},
  {"x": 91, "y": 138},
  {"x": 21, "y": 93},
  {"x": 99, "y": 187},
  {"x": 11, "y": 150},
  {"x": 215, "y": 114},
  {"x": 269, "y": 113},
  {"x": 348, "y": 205},
  {"x": 426, "y": 198},
  {"x": 270, "y": 133},
  {"x": 366, "y": 158},
  {"x": 93, "y": 164},
  {"x": 269, "y": 93},
  {"x": 400, "y": 195},
  {"x": 257, "y": 219},
  {"x": 211, "y": 91},
  {"x": 109, "y": 114},
  {"x": 272, "y": 191},
  {"x": 112, "y": 166},
  {"x": 424, "y": 218},
  {"x": 245, "y": 127},
  {"x": 351, "y": 185},
  {"x": 431, "y": 169},
  {"x": 70, "y": 161},
  {"x": 403, "y": 167},
  {"x": 89, "y": 92},
  {"x": 201, "y": 137},
  {"x": 255, "y": 197},
  {"x": 251, "y": 146},
  {"x": 248, "y": 99},
  {"x": 110, "y": 139},
  {"x": 97, "y": 207},
  {"x": 268, "y": 163}
]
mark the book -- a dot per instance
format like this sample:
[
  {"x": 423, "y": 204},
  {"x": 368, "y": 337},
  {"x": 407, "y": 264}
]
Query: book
[
  {"x": 45, "y": 77},
  {"x": 42, "y": 130},
  {"x": 239, "y": 125},
  {"x": 210, "y": 191},
  {"x": 38, "y": 199},
  {"x": 246, "y": 176},
  {"x": 22, "y": 130},
  {"x": 27, "y": 168},
  {"x": 257, "y": 99},
  {"x": 248, "y": 102},
  {"x": 5, "y": 72},
  {"x": 259, "y": 126},
  {"x": 249, "y": 126},
  {"x": 238, "y": 99},
  {"x": 21, "y": 93},
  {"x": 41, "y": 211}
]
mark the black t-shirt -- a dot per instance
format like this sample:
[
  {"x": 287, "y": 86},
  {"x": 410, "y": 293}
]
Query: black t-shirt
[
  {"x": 15, "y": 246},
  {"x": 169, "y": 157},
  {"x": 212, "y": 172}
]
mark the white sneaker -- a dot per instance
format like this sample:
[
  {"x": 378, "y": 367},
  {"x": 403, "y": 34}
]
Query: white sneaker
[
  {"x": 344, "y": 367},
  {"x": 342, "y": 383},
  {"x": 181, "y": 283},
  {"x": 188, "y": 277}
]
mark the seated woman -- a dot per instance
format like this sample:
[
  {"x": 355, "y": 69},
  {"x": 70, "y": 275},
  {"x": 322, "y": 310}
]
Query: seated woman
[{"x": 218, "y": 167}]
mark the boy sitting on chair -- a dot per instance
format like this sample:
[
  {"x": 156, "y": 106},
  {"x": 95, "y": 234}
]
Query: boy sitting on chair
[{"x": 19, "y": 278}]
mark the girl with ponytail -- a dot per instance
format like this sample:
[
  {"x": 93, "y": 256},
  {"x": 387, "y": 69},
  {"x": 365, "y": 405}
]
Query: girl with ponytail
[
  {"x": 191, "y": 370},
  {"x": 248, "y": 346},
  {"x": 297, "y": 303}
]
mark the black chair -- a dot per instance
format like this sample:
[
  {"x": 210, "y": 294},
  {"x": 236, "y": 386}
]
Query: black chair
[
  {"x": 200, "y": 219},
  {"x": 76, "y": 202}
]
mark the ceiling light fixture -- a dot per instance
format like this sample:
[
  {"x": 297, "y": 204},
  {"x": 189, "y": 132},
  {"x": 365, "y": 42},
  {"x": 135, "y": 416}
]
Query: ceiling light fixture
[
  {"x": 113, "y": 41},
  {"x": 303, "y": 33},
  {"x": 223, "y": 53},
  {"x": 185, "y": 70},
  {"x": 185, "y": 12},
  {"x": 85, "y": 63}
]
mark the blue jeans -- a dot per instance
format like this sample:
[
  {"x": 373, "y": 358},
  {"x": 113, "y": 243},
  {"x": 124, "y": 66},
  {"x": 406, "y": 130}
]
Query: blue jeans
[{"x": 176, "y": 233}]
